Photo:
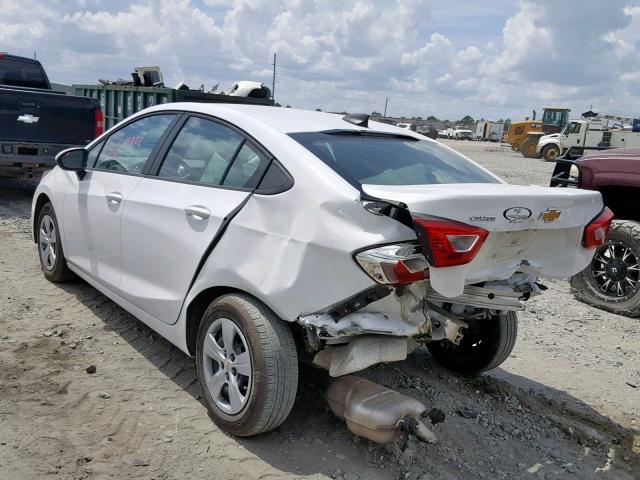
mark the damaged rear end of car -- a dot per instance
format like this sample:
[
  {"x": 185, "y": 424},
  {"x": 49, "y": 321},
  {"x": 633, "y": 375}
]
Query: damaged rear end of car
[{"x": 478, "y": 249}]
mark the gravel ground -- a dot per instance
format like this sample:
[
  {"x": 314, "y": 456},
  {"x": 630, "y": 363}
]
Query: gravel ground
[{"x": 566, "y": 404}]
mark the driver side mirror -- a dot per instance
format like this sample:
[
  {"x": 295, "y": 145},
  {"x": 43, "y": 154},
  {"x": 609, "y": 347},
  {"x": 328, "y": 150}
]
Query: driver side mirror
[{"x": 73, "y": 160}]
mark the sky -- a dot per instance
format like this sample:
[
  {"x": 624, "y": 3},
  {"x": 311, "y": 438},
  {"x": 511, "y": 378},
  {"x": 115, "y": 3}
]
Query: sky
[{"x": 489, "y": 59}]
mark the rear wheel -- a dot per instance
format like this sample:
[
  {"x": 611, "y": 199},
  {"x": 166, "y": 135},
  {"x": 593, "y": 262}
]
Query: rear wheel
[
  {"x": 528, "y": 148},
  {"x": 52, "y": 261},
  {"x": 247, "y": 365},
  {"x": 612, "y": 280},
  {"x": 550, "y": 153},
  {"x": 484, "y": 346}
]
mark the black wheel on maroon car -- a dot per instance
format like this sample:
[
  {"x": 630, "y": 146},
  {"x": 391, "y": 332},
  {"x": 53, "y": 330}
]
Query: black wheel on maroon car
[
  {"x": 612, "y": 280},
  {"x": 484, "y": 346}
]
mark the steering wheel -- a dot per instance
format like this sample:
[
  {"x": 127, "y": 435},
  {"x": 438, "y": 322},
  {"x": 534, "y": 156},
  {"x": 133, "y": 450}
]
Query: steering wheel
[
  {"x": 179, "y": 169},
  {"x": 183, "y": 171},
  {"x": 113, "y": 164}
]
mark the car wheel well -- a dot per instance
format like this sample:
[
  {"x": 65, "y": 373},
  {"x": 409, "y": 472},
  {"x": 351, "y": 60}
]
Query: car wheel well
[
  {"x": 196, "y": 309},
  {"x": 199, "y": 305},
  {"x": 42, "y": 199}
]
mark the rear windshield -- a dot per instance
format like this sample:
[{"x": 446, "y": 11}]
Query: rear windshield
[
  {"x": 20, "y": 73},
  {"x": 391, "y": 160}
]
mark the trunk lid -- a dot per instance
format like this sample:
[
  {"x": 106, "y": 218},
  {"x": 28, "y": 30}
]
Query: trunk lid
[
  {"x": 497, "y": 207},
  {"x": 532, "y": 229}
]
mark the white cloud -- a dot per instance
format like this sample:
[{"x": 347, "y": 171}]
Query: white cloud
[
  {"x": 348, "y": 55},
  {"x": 444, "y": 79},
  {"x": 469, "y": 55}
]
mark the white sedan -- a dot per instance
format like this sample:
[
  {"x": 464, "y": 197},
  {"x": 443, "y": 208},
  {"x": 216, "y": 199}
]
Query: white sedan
[{"x": 252, "y": 237}]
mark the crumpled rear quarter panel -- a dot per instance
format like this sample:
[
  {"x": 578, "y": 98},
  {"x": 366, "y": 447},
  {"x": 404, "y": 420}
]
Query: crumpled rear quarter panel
[{"x": 293, "y": 251}]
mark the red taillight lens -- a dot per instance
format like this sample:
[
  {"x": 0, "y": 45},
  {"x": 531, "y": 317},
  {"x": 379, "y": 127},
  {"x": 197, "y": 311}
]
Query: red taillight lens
[
  {"x": 398, "y": 264},
  {"x": 98, "y": 123},
  {"x": 596, "y": 232},
  {"x": 447, "y": 243},
  {"x": 400, "y": 273}
]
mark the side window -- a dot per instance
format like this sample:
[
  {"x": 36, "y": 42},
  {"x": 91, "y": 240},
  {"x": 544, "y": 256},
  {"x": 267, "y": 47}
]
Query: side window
[
  {"x": 93, "y": 154},
  {"x": 201, "y": 152},
  {"x": 518, "y": 130},
  {"x": 275, "y": 180},
  {"x": 574, "y": 127},
  {"x": 247, "y": 168},
  {"x": 128, "y": 149}
]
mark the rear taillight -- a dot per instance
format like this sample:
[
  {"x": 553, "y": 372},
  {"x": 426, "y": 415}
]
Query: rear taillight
[
  {"x": 447, "y": 243},
  {"x": 596, "y": 232},
  {"x": 98, "y": 123},
  {"x": 399, "y": 264}
]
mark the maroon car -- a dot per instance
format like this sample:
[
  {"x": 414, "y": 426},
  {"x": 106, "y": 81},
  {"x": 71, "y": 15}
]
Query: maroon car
[{"x": 612, "y": 281}]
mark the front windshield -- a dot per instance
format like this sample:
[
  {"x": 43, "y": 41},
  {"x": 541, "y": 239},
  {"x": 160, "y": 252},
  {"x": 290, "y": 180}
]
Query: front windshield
[
  {"x": 391, "y": 160},
  {"x": 555, "y": 117}
]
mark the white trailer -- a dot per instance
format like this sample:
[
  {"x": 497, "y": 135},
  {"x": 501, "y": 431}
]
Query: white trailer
[
  {"x": 489, "y": 131},
  {"x": 593, "y": 132}
]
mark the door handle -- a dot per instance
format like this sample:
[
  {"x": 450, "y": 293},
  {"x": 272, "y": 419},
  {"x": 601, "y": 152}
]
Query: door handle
[
  {"x": 197, "y": 212},
  {"x": 114, "y": 197}
]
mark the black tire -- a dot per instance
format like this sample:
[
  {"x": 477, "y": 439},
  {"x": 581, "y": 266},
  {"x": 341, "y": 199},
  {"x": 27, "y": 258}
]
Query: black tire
[
  {"x": 274, "y": 364},
  {"x": 58, "y": 271},
  {"x": 528, "y": 148},
  {"x": 484, "y": 346},
  {"x": 551, "y": 153},
  {"x": 585, "y": 287}
]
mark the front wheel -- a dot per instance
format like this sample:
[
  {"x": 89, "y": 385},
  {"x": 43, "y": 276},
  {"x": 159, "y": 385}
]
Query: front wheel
[
  {"x": 550, "y": 153},
  {"x": 612, "y": 280},
  {"x": 247, "y": 365},
  {"x": 52, "y": 261},
  {"x": 485, "y": 345}
]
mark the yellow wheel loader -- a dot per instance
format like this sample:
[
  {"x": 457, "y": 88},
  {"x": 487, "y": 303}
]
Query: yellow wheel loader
[{"x": 523, "y": 136}]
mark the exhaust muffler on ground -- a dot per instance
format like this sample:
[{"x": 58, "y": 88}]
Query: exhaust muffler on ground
[{"x": 376, "y": 412}]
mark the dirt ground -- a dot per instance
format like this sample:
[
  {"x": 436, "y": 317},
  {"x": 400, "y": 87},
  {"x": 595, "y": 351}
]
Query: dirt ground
[{"x": 566, "y": 404}]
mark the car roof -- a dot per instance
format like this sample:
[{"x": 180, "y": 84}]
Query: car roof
[{"x": 285, "y": 120}]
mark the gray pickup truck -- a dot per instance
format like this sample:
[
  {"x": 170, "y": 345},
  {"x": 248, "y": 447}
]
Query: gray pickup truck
[{"x": 37, "y": 122}]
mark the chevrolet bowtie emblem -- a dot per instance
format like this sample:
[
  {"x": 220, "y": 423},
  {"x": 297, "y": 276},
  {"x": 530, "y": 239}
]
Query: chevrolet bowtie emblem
[
  {"x": 28, "y": 118},
  {"x": 550, "y": 215}
]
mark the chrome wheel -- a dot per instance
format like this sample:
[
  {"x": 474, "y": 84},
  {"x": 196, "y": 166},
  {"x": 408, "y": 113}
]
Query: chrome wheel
[
  {"x": 615, "y": 270},
  {"x": 47, "y": 242},
  {"x": 227, "y": 366}
]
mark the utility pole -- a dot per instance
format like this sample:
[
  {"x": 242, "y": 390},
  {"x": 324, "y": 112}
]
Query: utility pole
[
  {"x": 385, "y": 107},
  {"x": 273, "y": 83}
]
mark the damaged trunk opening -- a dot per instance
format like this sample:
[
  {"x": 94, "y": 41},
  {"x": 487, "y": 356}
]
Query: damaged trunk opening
[{"x": 405, "y": 309}]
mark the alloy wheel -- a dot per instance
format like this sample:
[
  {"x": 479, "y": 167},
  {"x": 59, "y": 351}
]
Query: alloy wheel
[
  {"x": 615, "y": 270},
  {"x": 47, "y": 242},
  {"x": 227, "y": 366}
]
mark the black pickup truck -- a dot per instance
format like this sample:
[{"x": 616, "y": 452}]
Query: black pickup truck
[{"x": 37, "y": 122}]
